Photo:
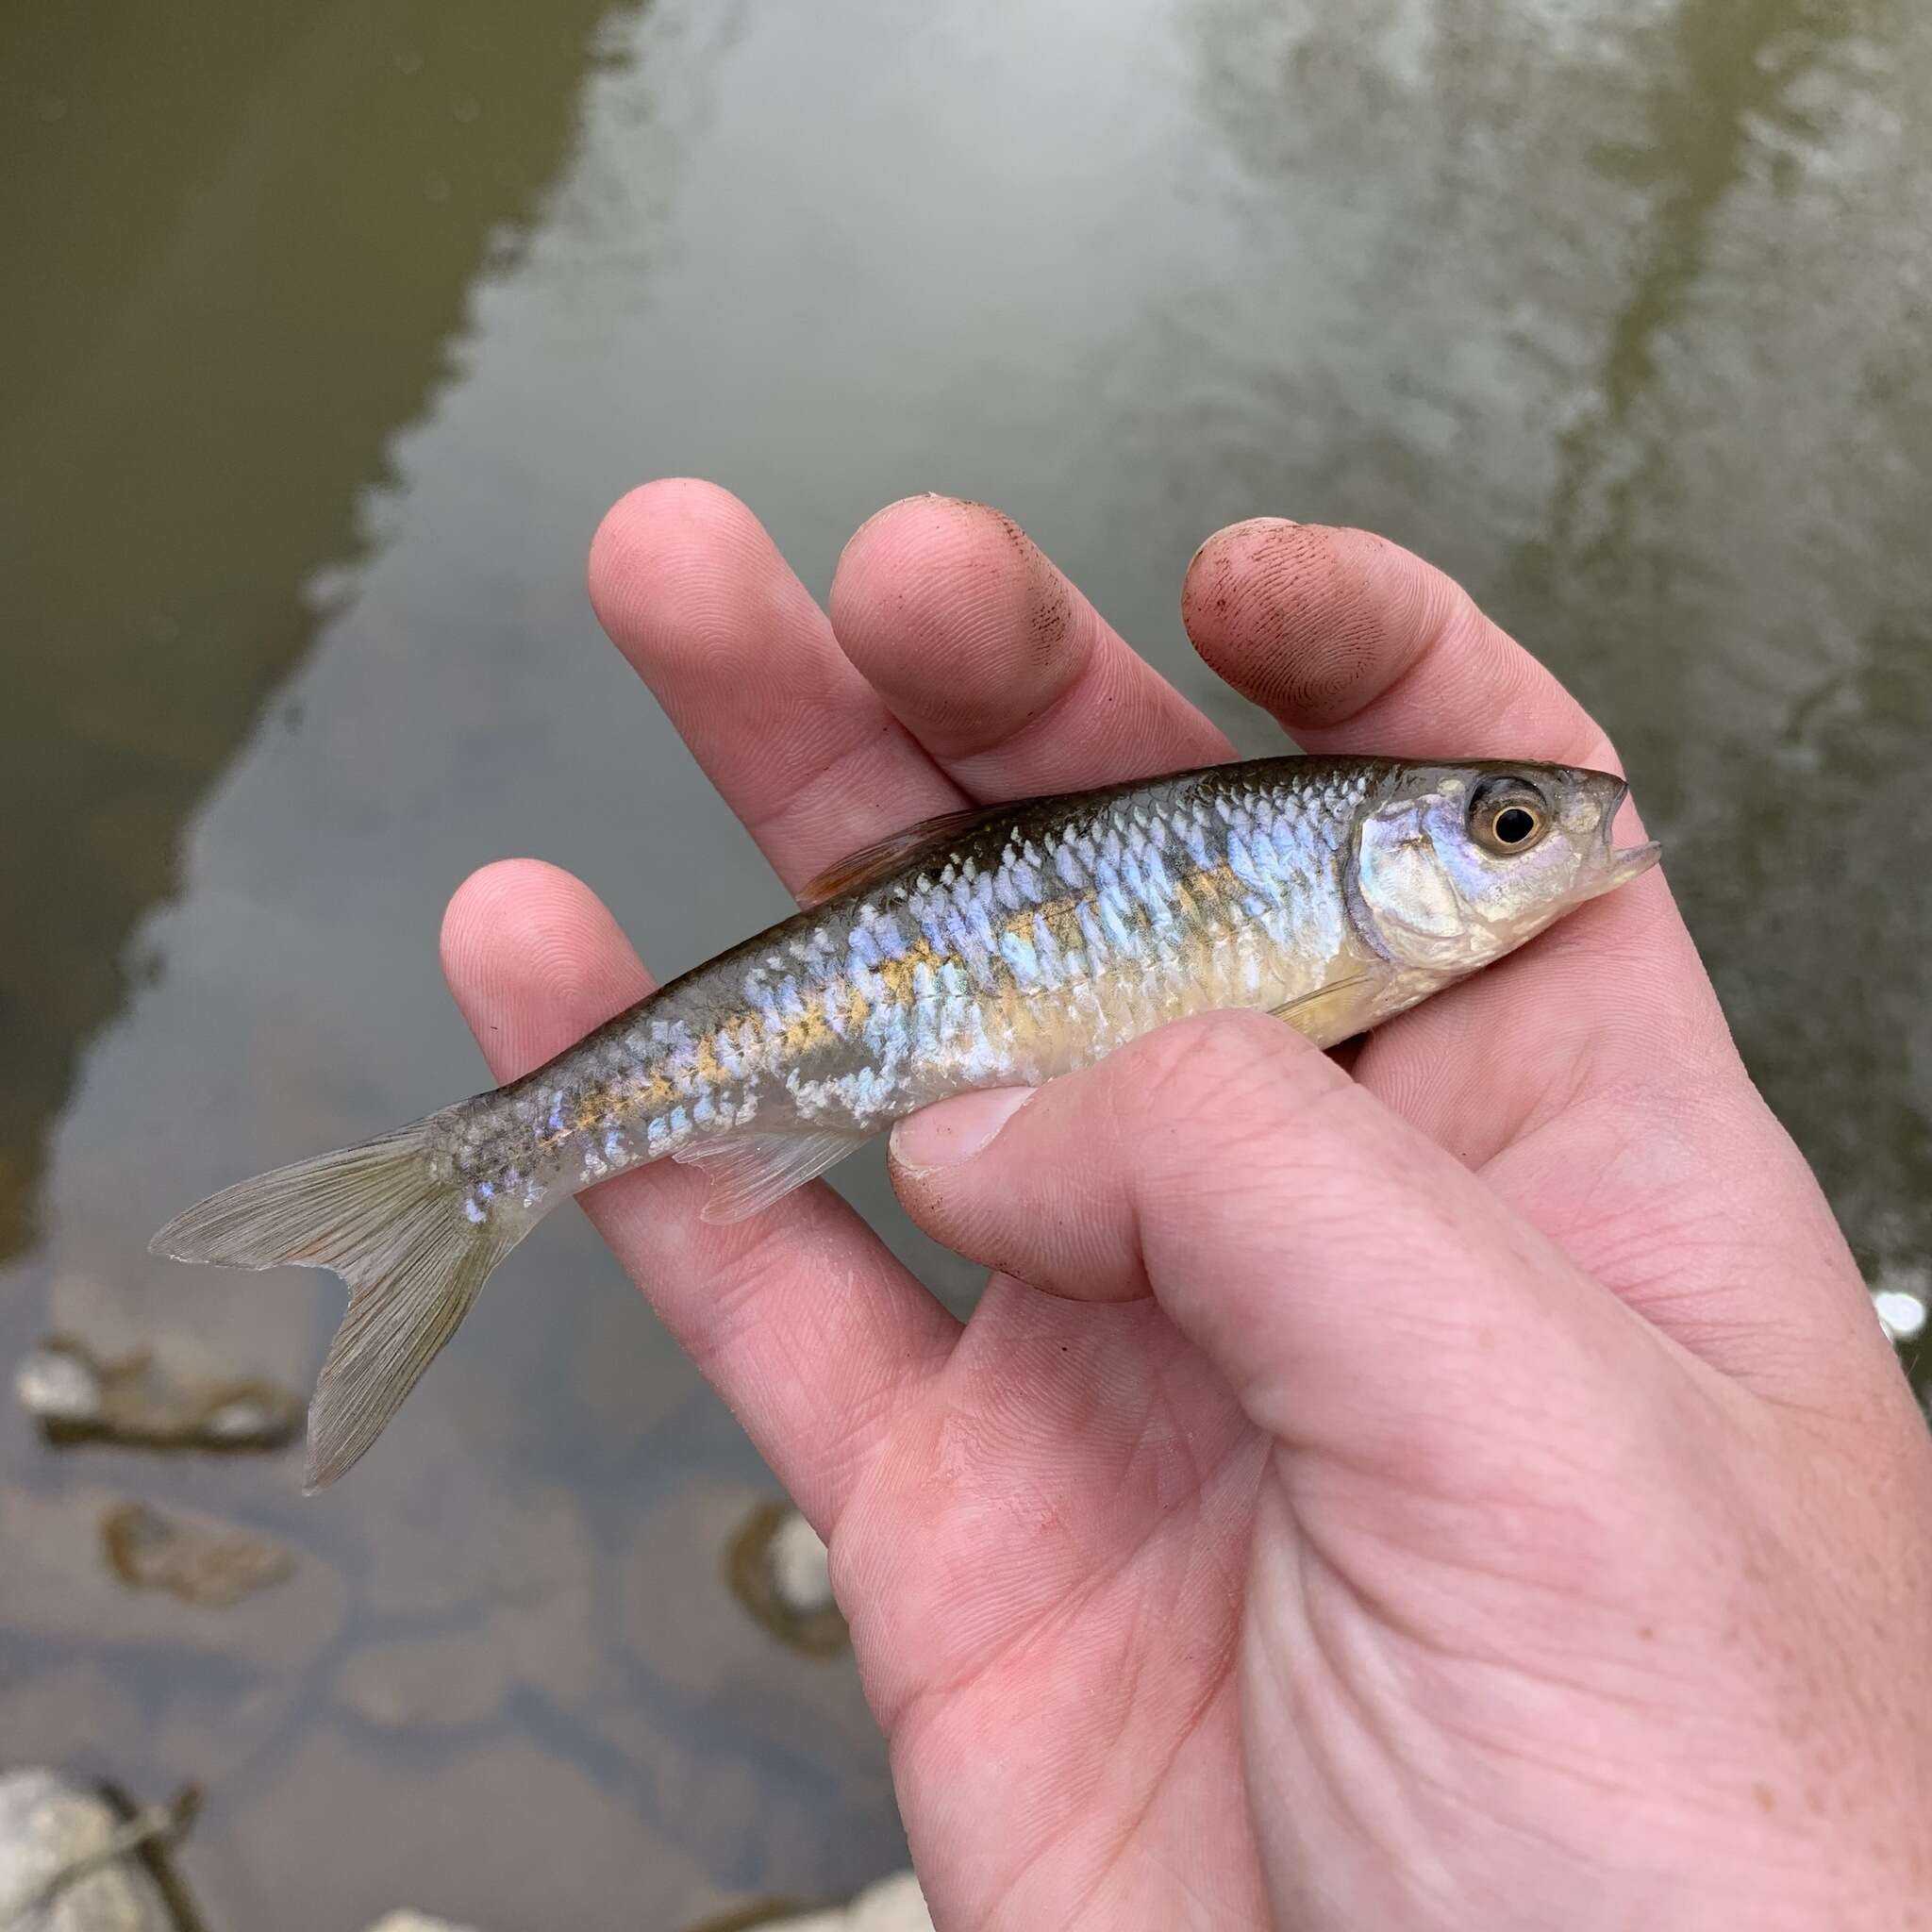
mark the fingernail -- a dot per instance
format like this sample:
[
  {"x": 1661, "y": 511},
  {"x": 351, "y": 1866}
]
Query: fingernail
[{"x": 955, "y": 1130}]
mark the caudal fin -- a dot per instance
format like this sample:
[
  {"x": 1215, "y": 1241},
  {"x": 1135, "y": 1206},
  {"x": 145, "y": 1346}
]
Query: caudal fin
[{"x": 399, "y": 1235}]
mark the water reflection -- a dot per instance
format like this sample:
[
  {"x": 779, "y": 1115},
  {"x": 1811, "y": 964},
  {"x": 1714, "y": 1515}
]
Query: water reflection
[
  {"x": 249, "y": 235},
  {"x": 1612, "y": 312}
]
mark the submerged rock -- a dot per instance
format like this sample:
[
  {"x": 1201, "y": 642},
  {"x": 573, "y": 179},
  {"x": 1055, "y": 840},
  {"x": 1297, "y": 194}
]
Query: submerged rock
[
  {"x": 71, "y": 1862},
  {"x": 202, "y": 1563},
  {"x": 1900, "y": 1298},
  {"x": 78, "y": 1395},
  {"x": 414, "y": 1921},
  {"x": 780, "y": 1571},
  {"x": 56, "y": 1580}
]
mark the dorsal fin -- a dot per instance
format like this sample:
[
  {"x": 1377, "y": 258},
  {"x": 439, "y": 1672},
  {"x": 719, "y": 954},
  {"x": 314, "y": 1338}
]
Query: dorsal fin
[{"x": 884, "y": 857}]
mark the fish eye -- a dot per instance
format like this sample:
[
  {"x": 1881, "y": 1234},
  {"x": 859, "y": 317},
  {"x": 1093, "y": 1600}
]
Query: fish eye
[{"x": 1508, "y": 816}]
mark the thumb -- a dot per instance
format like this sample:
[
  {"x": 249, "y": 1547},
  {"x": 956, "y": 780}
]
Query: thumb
[{"x": 1361, "y": 1291}]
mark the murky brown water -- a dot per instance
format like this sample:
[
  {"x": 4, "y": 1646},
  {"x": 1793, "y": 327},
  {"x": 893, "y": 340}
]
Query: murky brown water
[{"x": 331, "y": 333}]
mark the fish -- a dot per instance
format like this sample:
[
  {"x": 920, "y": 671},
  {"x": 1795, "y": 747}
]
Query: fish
[{"x": 998, "y": 946}]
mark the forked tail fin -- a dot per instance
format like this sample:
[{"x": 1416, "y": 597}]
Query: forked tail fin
[{"x": 378, "y": 1215}]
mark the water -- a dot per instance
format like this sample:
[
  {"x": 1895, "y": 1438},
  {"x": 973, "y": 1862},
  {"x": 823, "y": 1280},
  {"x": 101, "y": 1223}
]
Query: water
[{"x": 332, "y": 335}]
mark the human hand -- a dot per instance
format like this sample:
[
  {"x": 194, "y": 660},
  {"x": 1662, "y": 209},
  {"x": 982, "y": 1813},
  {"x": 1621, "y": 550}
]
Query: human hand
[{"x": 1474, "y": 1494}]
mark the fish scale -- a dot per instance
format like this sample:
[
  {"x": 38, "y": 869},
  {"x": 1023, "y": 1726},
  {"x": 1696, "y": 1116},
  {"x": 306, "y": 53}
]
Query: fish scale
[
  {"x": 1210, "y": 892},
  {"x": 998, "y": 948}
]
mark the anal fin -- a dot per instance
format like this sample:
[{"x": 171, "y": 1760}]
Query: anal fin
[{"x": 749, "y": 1171}]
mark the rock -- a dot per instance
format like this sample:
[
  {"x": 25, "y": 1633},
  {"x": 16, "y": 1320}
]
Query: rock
[
  {"x": 894, "y": 1905},
  {"x": 58, "y": 1389},
  {"x": 205, "y": 1564},
  {"x": 801, "y": 1566},
  {"x": 414, "y": 1921},
  {"x": 1900, "y": 1297},
  {"x": 78, "y": 1395},
  {"x": 69, "y": 1861},
  {"x": 780, "y": 1571},
  {"x": 56, "y": 1582}
]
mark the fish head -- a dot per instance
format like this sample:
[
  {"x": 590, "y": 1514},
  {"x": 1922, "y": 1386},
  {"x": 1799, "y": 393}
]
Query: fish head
[{"x": 1458, "y": 864}]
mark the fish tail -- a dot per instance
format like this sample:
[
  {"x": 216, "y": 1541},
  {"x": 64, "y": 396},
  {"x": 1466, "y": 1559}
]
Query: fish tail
[{"x": 394, "y": 1223}]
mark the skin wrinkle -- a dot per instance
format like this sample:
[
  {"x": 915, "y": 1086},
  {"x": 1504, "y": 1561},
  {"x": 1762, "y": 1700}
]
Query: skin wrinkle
[
  {"x": 1458, "y": 1797},
  {"x": 1186, "y": 1731},
  {"x": 1349, "y": 1701},
  {"x": 1025, "y": 1640},
  {"x": 1456, "y": 1654},
  {"x": 1187, "y": 1186},
  {"x": 1215, "y": 1683},
  {"x": 1067, "y": 1606}
]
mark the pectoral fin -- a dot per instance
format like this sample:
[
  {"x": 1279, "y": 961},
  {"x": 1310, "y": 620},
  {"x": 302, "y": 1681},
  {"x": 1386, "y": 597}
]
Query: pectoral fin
[
  {"x": 1328, "y": 1015},
  {"x": 749, "y": 1171}
]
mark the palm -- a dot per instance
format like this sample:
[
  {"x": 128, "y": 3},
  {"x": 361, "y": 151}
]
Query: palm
[
  {"x": 1047, "y": 1566},
  {"x": 1046, "y": 1526},
  {"x": 1051, "y": 1560}
]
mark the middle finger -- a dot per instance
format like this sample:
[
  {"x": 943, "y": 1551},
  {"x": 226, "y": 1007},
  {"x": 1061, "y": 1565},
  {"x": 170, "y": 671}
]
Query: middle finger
[{"x": 996, "y": 665}]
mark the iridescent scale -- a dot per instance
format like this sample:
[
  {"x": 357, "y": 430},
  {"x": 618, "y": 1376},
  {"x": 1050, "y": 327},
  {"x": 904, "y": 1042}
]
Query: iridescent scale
[{"x": 1026, "y": 949}]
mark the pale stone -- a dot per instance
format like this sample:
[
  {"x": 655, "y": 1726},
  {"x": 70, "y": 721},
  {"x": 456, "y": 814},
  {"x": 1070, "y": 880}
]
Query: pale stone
[
  {"x": 47, "y": 1826},
  {"x": 894, "y": 1905},
  {"x": 801, "y": 1565},
  {"x": 76, "y": 1393}
]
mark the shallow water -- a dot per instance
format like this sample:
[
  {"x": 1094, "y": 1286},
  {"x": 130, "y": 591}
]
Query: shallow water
[{"x": 332, "y": 335}]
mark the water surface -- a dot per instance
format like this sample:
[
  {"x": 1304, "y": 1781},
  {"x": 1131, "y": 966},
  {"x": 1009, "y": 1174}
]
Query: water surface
[{"x": 333, "y": 334}]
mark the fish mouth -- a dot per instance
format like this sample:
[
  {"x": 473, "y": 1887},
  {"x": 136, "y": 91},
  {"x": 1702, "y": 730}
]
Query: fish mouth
[{"x": 1623, "y": 862}]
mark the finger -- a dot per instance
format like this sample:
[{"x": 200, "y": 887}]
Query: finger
[
  {"x": 799, "y": 1318},
  {"x": 1355, "y": 643},
  {"x": 996, "y": 665},
  {"x": 696, "y": 596},
  {"x": 1591, "y": 1077},
  {"x": 1362, "y": 1292}
]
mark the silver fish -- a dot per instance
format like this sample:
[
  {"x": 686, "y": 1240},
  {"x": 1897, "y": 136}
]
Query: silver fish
[{"x": 989, "y": 949}]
